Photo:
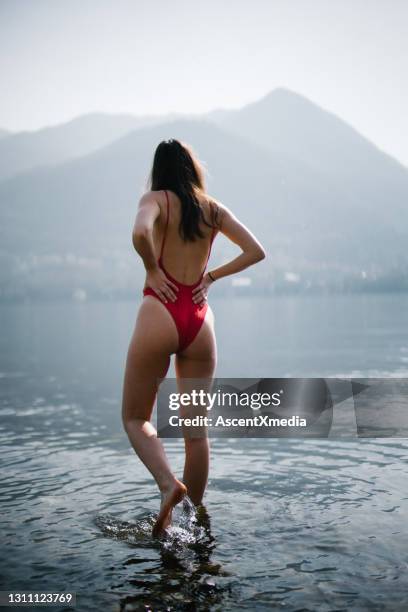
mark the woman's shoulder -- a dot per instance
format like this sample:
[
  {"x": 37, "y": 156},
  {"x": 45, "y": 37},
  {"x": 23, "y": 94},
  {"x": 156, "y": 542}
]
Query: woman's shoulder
[
  {"x": 219, "y": 210},
  {"x": 151, "y": 195},
  {"x": 156, "y": 197},
  {"x": 159, "y": 194}
]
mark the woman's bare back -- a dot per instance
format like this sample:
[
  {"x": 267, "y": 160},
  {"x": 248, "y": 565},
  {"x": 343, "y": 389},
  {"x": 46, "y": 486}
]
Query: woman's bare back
[{"x": 184, "y": 260}]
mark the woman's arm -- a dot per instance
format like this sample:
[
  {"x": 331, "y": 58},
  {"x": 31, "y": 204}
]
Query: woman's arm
[
  {"x": 252, "y": 252},
  {"x": 142, "y": 238},
  {"x": 142, "y": 235}
]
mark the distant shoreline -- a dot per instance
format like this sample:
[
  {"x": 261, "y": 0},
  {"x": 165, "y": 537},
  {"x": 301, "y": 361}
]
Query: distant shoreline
[{"x": 84, "y": 298}]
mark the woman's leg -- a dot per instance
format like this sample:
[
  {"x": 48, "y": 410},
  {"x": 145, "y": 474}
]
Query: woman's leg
[
  {"x": 154, "y": 339},
  {"x": 198, "y": 360}
]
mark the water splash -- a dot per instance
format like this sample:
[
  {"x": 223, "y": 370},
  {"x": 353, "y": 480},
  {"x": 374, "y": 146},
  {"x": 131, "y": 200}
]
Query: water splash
[
  {"x": 133, "y": 533},
  {"x": 183, "y": 531}
]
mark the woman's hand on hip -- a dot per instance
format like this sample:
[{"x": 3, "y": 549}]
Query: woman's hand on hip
[
  {"x": 200, "y": 292},
  {"x": 158, "y": 281}
]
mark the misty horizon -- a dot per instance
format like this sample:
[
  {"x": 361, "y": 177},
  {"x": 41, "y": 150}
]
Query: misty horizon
[{"x": 348, "y": 57}]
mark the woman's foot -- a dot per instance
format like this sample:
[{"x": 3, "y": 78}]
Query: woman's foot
[{"x": 170, "y": 498}]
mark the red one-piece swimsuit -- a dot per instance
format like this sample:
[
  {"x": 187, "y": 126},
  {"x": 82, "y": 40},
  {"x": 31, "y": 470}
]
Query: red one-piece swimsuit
[{"x": 188, "y": 316}]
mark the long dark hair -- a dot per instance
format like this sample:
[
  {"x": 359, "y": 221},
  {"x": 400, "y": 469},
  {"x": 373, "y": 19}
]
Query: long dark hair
[{"x": 176, "y": 167}]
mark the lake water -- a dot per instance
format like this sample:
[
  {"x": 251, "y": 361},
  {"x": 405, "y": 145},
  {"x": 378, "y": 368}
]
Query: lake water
[{"x": 291, "y": 524}]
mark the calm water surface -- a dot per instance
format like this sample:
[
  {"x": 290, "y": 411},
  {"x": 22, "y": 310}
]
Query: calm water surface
[{"x": 291, "y": 524}]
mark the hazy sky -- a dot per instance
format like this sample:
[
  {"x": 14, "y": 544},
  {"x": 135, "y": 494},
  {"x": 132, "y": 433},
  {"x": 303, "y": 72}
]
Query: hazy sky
[{"x": 62, "y": 58}]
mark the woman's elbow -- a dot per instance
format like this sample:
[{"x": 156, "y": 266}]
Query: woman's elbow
[
  {"x": 259, "y": 254},
  {"x": 254, "y": 254}
]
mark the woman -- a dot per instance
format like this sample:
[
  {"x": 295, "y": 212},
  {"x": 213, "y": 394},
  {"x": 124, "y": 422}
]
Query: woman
[{"x": 174, "y": 228}]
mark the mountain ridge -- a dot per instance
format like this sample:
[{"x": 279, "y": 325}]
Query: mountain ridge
[{"x": 317, "y": 220}]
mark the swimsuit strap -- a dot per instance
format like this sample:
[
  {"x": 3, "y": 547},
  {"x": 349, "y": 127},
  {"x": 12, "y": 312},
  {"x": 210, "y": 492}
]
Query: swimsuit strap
[{"x": 165, "y": 228}]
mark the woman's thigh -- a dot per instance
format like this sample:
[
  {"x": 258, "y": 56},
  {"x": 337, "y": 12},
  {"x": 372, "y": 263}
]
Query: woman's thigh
[
  {"x": 197, "y": 361},
  {"x": 153, "y": 341}
]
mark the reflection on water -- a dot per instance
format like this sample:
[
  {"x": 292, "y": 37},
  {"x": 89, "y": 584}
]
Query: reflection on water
[
  {"x": 186, "y": 571},
  {"x": 299, "y": 524}
]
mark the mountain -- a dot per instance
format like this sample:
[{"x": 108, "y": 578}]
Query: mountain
[
  {"x": 53, "y": 145},
  {"x": 69, "y": 226},
  {"x": 4, "y": 133},
  {"x": 287, "y": 122},
  {"x": 363, "y": 183},
  {"x": 85, "y": 208}
]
